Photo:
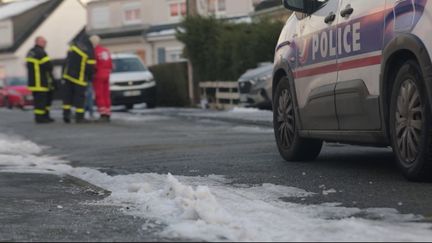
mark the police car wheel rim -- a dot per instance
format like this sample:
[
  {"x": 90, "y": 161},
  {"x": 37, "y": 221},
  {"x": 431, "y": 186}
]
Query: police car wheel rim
[
  {"x": 409, "y": 120},
  {"x": 286, "y": 128}
]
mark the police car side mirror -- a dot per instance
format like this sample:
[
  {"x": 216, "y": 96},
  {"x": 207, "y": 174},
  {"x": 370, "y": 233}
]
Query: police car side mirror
[
  {"x": 302, "y": 6},
  {"x": 295, "y": 5}
]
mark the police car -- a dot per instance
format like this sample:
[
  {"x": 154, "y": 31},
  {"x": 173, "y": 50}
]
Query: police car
[{"x": 358, "y": 72}]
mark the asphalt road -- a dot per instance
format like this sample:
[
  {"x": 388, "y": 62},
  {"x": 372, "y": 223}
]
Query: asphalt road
[{"x": 161, "y": 143}]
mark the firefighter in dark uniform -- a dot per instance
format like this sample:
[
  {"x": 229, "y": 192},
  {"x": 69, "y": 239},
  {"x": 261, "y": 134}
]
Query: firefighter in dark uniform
[
  {"x": 39, "y": 68},
  {"x": 78, "y": 71}
]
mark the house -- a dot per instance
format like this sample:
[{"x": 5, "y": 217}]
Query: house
[
  {"x": 59, "y": 21},
  {"x": 148, "y": 27}
]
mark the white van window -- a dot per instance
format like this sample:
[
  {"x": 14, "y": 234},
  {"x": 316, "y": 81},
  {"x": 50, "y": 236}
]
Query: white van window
[{"x": 123, "y": 65}]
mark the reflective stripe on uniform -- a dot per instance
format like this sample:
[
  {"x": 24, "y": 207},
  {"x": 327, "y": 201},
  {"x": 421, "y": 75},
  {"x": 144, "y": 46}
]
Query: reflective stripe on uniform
[
  {"x": 39, "y": 112},
  {"x": 79, "y": 110},
  {"x": 36, "y": 64},
  {"x": 78, "y": 51},
  {"x": 48, "y": 108},
  {"x": 38, "y": 89},
  {"x": 84, "y": 57},
  {"x": 74, "y": 80},
  {"x": 44, "y": 60},
  {"x": 91, "y": 62},
  {"x": 67, "y": 107}
]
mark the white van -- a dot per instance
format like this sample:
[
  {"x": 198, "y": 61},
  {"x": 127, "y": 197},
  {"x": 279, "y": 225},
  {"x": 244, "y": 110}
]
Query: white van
[
  {"x": 358, "y": 72},
  {"x": 131, "y": 82}
]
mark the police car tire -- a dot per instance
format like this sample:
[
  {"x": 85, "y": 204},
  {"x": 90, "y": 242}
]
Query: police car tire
[
  {"x": 419, "y": 167},
  {"x": 300, "y": 149}
]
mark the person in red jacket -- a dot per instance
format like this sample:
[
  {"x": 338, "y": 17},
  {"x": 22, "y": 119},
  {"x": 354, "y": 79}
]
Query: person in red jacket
[{"x": 101, "y": 79}]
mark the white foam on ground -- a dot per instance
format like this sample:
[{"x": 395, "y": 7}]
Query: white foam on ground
[
  {"x": 252, "y": 129},
  {"x": 207, "y": 209},
  {"x": 246, "y": 114},
  {"x": 137, "y": 118}
]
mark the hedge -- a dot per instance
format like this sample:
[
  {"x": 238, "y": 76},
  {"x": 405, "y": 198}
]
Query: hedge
[
  {"x": 172, "y": 84},
  {"x": 223, "y": 50}
]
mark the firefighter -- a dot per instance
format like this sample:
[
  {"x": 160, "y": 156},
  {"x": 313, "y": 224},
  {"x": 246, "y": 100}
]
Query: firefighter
[
  {"x": 78, "y": 71},
  {"x": 39, "y": 69},
  {"x": 101, "y": 79}
]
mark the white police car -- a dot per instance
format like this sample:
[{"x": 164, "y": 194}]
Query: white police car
[{"x": 358, "y": 72}]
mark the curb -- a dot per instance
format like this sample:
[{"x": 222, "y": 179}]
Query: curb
[{"x": 96, "y": 190}]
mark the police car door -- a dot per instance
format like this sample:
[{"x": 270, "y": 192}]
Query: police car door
[
  {"x": 360, "y": 35},
  {"x": 316, "y": 71}
]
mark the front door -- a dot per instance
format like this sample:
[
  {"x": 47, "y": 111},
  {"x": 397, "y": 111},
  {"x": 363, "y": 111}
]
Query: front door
[
  {"x": 316, "y": 70},
  {"x": 361, "y": 33}
]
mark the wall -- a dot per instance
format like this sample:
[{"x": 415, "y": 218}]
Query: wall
[
  {"x": 152, "y": 12},
  {"x": 238, "y": 8},
  {"x": 130, "y": 45},
  {"x": 12, "y": 65},
  {"x": 157, "y": 12}
]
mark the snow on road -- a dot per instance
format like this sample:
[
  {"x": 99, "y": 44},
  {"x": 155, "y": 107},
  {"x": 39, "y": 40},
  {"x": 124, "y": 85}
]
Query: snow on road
[
  {"x": 211, "y": 209},
  {"x": 238, "y": 113}
]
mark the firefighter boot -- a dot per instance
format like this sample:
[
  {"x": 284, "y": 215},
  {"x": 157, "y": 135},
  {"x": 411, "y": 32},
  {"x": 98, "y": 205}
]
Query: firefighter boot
[
  {"x": 67, "y": 116},
  {"x": 41, "y": 119},
  {"x": 104, "y": 119},
  {"x": 79, "y": 118},
  {"x": 48, "y": 117}
]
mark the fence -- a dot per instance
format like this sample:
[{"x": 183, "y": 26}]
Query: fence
[{"x": 220, "y": 95}]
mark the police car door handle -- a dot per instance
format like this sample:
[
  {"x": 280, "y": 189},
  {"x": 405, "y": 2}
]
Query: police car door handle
[
  {"x": 330, "y": 18},
  {"x": 347, "y": 11}
]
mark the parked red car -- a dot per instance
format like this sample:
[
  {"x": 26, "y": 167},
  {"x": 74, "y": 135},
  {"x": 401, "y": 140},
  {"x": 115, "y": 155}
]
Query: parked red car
[{"x": 14, "y": 93}]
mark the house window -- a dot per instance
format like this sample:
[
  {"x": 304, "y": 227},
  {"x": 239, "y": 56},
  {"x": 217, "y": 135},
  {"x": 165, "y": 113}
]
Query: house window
[
  {"x": 174, "y": 54},
  {"x": 132, "y": 13},
  {"x": 216, "y": 7},
  {"x": 183, "y": 8},
  {"x": 221, "y": 5},
  {"x": 178, "y": 9},
  {"x": 174, "y": 8},
  {"x": 100, "y": 17},
  {"x": 211, "y": 6},
  {"x": 161, "y": 55}
]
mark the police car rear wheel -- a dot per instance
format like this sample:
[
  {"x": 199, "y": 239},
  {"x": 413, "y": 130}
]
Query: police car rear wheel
[
  {"x": 410, "y": 124},
  {"x": 291, "y": 146}
]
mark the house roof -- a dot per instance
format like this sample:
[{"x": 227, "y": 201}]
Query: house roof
[
  {"x": 125, "y": 31},
  {"x": 26, "y": 17},
  {"x": 133, "y": 31},
  {"x": 8, "y": 10},
  {"x": 159, "y": 28}
]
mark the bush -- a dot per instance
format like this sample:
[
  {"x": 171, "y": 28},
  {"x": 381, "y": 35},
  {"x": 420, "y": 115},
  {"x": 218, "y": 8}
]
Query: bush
[
  {"x": 221, "y": 50},
  {"x": 172, "y": 84}
]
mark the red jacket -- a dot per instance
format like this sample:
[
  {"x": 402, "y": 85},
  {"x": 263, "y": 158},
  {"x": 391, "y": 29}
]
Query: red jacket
[{"x": 103, "y": 62}]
